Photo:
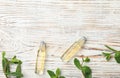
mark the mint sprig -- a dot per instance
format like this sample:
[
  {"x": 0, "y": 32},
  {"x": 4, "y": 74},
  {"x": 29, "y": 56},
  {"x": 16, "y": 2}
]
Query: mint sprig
[
  {"x": 86, "y": 70},
  {"x": 6, "y": 66},
  {"x": 55, "y": 75},
  {"x": 116, "y": 53}
]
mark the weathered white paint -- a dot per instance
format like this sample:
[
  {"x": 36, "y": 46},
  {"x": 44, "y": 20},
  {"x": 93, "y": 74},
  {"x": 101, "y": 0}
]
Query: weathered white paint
[{"x": 25, "y": 23}]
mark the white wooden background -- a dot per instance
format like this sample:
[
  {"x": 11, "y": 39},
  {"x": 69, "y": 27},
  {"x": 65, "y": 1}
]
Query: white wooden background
[{"x": 25, "y": 23}]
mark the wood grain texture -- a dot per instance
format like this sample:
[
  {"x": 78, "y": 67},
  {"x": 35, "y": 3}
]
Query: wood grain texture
[{"x": 25, "y": 23}]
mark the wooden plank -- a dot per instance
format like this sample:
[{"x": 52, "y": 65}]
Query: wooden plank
[{"x": 25, "y": 23}]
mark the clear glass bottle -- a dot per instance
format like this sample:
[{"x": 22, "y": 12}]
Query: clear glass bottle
[
  {"x": 40, "y": 61},
  {"x": 73, "y": 49}
]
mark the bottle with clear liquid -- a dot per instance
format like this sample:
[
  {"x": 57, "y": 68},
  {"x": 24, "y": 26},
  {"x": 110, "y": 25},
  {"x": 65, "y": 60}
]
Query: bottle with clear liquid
[
  {"x": 40, "y": 61},
  {"x": 73, "y": 49}
]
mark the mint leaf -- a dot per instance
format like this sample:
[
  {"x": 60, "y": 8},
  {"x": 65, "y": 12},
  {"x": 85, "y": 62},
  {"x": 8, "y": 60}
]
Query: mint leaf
[
  {"x": 18, "y": 70},
  {"x": 51, "y": 73},
  {"x": 5, "y": 65},
  {"x": 107, "y": 55},
  {"x": 15, "y": 74},
  {"x": 61, "y": 77},
  {"x": 55, "y": 75},
  {"x": 14, "y": 60},
  {"x": 58, "y": 72},
  {"x": 3, "y": 54},
  {"x": 87, "y": 72},
  {"x": 117, "y": 57},
  {"x": 77, "y": 63},
  {"x": 87, "y": 59},
  {"x": 88, "y": 76}
]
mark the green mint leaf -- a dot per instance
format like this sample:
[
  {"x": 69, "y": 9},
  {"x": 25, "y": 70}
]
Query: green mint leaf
[
  {"x": 61, "y": 77},
  {"x": 3, "y": 54},
  {"x": 58, "y": 72},
  {"x": 107, "y": 55},
  {"x": 14, "y": 60},
  {"x": 88, "y": 76},
  {"x": 55, "y": 75},
  {"x": 77, "y": 63},
  {"x": 18, "y": 75},
  {"x": 117, "y": 57},
  {"x": 111, "y": 48},
  {"x": 87, "y": 59},
  {"x": 87, "y": 72},
  {"x": 5, "y": 65},
  {"x": 51, "y": 74},
  {"x": 18, "y": 70}
]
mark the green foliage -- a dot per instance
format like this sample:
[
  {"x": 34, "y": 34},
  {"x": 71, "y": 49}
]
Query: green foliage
[
  {"x": 77, "y": 63},
  {"x": 109, "y": 55},
  {"x": 51, "y": 73},
  {"x": 86, "y": 71},
  {"x": 87, "y": 59},
  {"x": 117, "y": 57},
  {"x": 14, "y": 60},
  {"x": 58, "y": 72},
  {"x": 6, "y": 66},
  {"x": 55, "y": 75}
]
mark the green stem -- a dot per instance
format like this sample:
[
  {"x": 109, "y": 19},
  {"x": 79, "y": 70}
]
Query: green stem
[{"x": 111, "y": 48}]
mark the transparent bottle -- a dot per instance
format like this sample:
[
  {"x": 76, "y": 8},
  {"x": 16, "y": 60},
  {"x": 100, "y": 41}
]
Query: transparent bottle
[
  {"x": 73, "y": 49},
  {"x": 40, "y": 61}
]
